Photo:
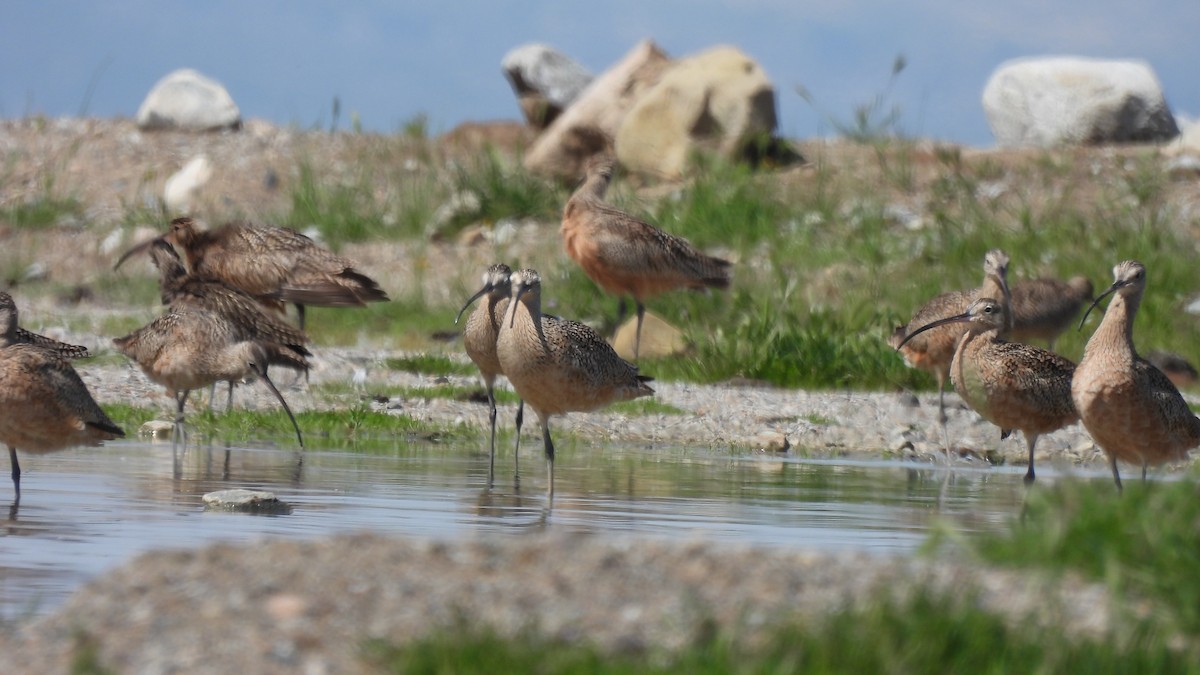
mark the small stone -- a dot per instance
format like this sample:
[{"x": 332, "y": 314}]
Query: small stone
[
  {"x": 157, "y": 429},
  {"x": 251, "y": 501}
]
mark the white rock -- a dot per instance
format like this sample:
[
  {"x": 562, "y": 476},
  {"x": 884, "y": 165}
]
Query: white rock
[
  {"x": 1047, "y": 101},
  {"x": 543, "y": 72},
  {"x": 181, "y": 188},
  {"x": 186, "y": 99}
]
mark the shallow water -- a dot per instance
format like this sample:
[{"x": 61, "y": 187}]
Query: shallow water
[{"x": 84, "y": 511}]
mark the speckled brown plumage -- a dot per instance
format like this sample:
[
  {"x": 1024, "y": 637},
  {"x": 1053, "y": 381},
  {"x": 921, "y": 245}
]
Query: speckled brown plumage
[
  {"x": 190, "y": 347},
  {"x": 626, "y": 256},
  {"x": 247, "y": 317},
  {"x": 272, "y": 263},
  {"x": 1011, "y": 385},
  {"x": 558, "y": 365},
  {"x": 44, "y": 405},
  {"x": 1043, "y": 309},
  {"x": 1130, "y": 408},
  {"x": 14, "y": 334},
  {"x": 933, "y": 350},
  {"x": 479, "y": 340}
]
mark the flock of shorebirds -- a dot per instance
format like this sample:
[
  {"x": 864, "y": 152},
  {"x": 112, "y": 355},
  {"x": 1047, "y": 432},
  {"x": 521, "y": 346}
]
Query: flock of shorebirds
[
  {"x": 1131, "y": 408},
  {"x": 224, "y": 321}
]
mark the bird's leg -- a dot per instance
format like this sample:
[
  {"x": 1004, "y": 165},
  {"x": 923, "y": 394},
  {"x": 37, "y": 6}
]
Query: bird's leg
[
  {"x": 942, "y": 419},
  {"x": 180, "y": 401},
  {"x": 1031, "y": 439},
  {"x": 212, "y": 395},
  {"x": 16, "y": 472},
  {"x": 1112, "y": 460},
  {"x": 491, "y": 394},
  {"x": 1143, "y": 471},
  {"x": 229, "y": 397},
  {"x": 549, "y": 461},
  {"x": 637, "y": 338},
  {"x": 300, "y": 315},
  {"x": 622, "y": 309},
  {"x": 517, "y": 449}
]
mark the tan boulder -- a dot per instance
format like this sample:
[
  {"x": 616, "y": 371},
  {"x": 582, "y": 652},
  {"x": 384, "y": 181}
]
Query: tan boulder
[
  {"x": 659, "y": 338},
  {"x": 719, "y": 100},
  {"x": 592, "y": 120}
]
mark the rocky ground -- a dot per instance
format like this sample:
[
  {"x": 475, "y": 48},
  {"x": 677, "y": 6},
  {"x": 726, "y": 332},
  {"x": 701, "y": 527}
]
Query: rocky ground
[{"x": 308, "y": 606}]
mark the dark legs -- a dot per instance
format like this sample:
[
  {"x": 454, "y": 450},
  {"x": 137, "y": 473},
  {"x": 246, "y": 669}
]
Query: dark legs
[
  {"x": 1112, "y": 460},
  {"x": 1031, "y": 439},
  {"x": 16, "y": 473},
  {"x": 549, "y": 444},
  {"x": 637, "y": 340},
  {"x": 492, "y": 446},
  {"x": 517, "y": 449},
  {"x": 180, "y": 401},
  {"x": 300, "y": 315}
]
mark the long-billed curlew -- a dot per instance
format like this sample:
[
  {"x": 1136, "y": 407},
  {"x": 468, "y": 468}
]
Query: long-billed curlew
[
  {"x": 629, "y": 257},
  {"x": 933, "y": 351},
  {"x": 479, "y": 339},
  {"x": 271, "y": 263},
  {"x": 557, "y": 365},
  {"x": 190, "y": 347},
  {"x": 1011, "y": 385},
  {"x": 1131, "y": 409},
  {"x": 1043, "y": 309},
  {"x": 248, "y": 318},
  {"x": 44, "y": 405},
  {"x": 14, "y": 334}
]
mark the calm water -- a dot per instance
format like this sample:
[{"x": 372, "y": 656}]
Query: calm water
[{"x": 84, "y": 511}]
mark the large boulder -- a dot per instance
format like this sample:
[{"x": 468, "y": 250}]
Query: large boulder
[
  {"x": 590, "y": 124},
  {"x": 187, "y": 100},
  {"x": 719, "y": 100},
  {"x": 1044, "y": 102},
  {"x": 545, "y": 80}
]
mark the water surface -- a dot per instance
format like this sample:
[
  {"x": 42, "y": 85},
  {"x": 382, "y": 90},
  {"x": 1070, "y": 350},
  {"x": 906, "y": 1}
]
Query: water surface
[{"x": 84, "y": 511}]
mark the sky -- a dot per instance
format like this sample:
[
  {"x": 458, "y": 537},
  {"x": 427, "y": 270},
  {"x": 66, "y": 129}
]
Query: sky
[{"x": 389, "y": 63}]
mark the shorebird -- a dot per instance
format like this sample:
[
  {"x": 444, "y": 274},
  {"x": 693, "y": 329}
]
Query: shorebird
[
  {"x": 44, "y": 405},
  {"x": 1011, "y": 385},
  {"x": 248, "y": 318},
  {"x": 626, "y": 256},
  {"x": 273, "y": 264},
  {"x": 558, "y": 365},
  {"x": 190, "y": 347},
  {"x": 1131, "y": 409},
  {"x": 14, "y": 334},
  {"x": 1043, "y": 309},
  {"x": 479, "y": 339},
  {"x": 934, "y": 350}
]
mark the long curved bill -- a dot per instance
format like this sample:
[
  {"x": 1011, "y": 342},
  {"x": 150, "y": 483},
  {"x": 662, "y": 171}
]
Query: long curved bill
[
  {"x": 1111, "y": 289},
  {"x": 282, "y": 402},
  {"x": 139, "y": 248},
  {"x": 478, "y": 294},
  {"x": 957, "y": 318}
]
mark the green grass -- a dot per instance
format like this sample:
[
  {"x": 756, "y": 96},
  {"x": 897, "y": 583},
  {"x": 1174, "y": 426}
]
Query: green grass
[
  {"x": 927, "y": 634},
  {"x": 1143, "y": 543},
  {"x": 335, "y": 428},
  {"x": 430, "y": 364}
]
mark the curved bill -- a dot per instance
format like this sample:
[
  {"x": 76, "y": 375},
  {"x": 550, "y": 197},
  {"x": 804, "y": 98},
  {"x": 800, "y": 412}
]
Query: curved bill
[
  {"x": 282, "y": 402},
  {"x": 1111, "y": 289},
  {"x": 512, "y": 309},
  {"x": 957, "y": 318},
  {"x": 139, "y": 248},
  {"x": 478, "y": 294}
]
